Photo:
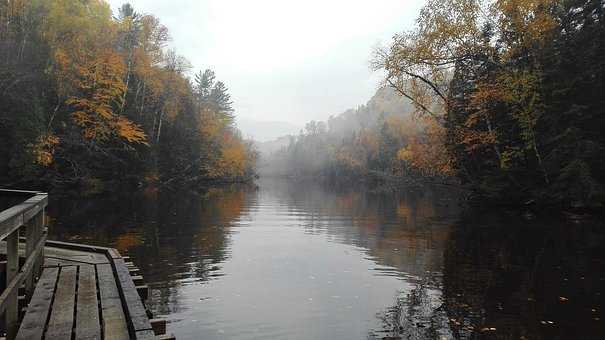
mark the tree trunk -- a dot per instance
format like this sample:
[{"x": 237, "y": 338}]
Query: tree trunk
[
  {"x": 496, "y": 148},
  {"x": 157, "y": 136}
]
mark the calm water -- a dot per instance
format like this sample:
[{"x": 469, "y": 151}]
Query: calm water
[{"x": 301, "y": 261}]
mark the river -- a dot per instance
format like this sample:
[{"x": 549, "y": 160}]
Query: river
[{"x": 284, "y": 260}]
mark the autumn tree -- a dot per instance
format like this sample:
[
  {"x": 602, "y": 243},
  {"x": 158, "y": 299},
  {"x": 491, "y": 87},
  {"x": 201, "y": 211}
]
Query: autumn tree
[
  {"x": 87, "y": 98},
  {"x": 485, "y": 72}
]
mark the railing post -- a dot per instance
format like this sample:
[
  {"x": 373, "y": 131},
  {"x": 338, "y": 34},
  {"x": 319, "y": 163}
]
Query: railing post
[
  {"x": 32, "y": 235},
  {"x": 12, "y": 268},
  {"x": 41, "y": 229}
]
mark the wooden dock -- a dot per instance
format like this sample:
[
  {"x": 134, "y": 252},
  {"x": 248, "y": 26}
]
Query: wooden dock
[{"x": 57, "y": 290}]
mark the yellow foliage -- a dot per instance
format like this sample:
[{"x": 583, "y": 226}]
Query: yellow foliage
[
  {"x": 174, "y": 88},
  {"x": 210, "y": 125},
  {"x": 233, "y": 159},
  {"x": 428, "y": 155},
  {"x": 99, "y": 81},
  {"x": 89, "y": 73},
  {"x": 532, "y": 18},
  {"x": 44, "y": 149},
  {"x": 130, "y": 131}
]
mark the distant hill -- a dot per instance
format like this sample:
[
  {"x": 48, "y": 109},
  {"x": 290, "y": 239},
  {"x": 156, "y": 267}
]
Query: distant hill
[
  {"x": 262, "y": 131},
  {"x": 356, "y": 141},
  {"x": 269, "y": 147},
  {"x": 384, "y": 103}
]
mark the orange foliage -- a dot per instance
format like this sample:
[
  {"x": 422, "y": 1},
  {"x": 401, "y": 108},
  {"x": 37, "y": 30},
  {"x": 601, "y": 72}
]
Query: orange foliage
[
  {"x": 44, "y": 149},
  {"x": 89, "y": 73},
  {"x": 126, "y": 241},
  {"x": 233, "y": 158},
  {"x": 101, "y": 88},
  {"x": 428, "y": 155}
]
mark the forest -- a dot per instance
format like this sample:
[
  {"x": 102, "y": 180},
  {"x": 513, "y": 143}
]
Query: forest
[
  {"x": 502, "y": 97},
  {"x": 88, "y": 98},
  {"x": 371, "y": 141}
]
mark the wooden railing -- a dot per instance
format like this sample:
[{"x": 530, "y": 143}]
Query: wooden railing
[{"x": 24, "y": 219}]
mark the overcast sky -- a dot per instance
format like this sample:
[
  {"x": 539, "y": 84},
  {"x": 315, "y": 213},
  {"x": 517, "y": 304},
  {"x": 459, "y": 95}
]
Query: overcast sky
[{"x": 284, "y": 60}]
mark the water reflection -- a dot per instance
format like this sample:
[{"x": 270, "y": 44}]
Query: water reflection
[
  {"x": 301, "y": 261},
  {"x": 174, "y": 237},
  {"x": 525, "y": 279}
]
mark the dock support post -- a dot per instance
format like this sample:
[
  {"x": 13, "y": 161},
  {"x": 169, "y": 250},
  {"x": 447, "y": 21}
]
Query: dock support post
[{"x": 12, "y": 268}]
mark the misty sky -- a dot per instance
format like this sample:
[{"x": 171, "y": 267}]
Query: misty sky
[{"x": 284, "y": 60}]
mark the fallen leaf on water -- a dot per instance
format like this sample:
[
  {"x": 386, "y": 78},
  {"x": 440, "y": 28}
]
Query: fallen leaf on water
[
  {"x": 563, "y": 298},
  {"x": 488, "y": 329}
]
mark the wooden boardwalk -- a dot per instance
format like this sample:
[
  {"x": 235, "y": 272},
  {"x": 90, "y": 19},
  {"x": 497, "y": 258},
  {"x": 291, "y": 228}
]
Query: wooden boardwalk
[
  {"x": 88, "y": 293},
  {"x": 57, "y": 290}
]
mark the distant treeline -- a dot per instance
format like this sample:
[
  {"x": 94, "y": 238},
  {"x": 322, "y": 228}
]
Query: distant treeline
[
  {"x": 87, "y": 98},
  {"x": 508, "y": 96},
  {"x": 372, "y": 141}
]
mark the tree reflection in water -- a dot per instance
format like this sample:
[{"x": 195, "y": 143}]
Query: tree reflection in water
[
  {"x": 506, "y": 277},
  {"x": 174, "y": 237},
  {"x": 417, "y": 314}
]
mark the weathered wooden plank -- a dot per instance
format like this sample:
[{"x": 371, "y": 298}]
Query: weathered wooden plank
[
  {"x": 112, "y": 314},
  {"x": 77, "y": 246},
  {"x": 113, "y": 253},
  {"x": 17, "y": 191},
  {"x": 166, "y": 337},
  {"x": 60, "y": 325},
  {"x": 38, "y": 203},
  {"x": 31, "y": 241},
  {"x": 136, "y": 310},
  {"x": 76, "y": 255},
  {"x": 63, "y": 254},
  {"x": 32, "y": 326},
  {"x": 137, "y": 279},
  {"x": 11, "y": 219},
  {"x": 159, "y": 326},
  {"x": 145, "y": 335},
  {"x": 53, "y": 262},
  {"x": 41, "y": 233},
  {"x": 88, "y": 325}
]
